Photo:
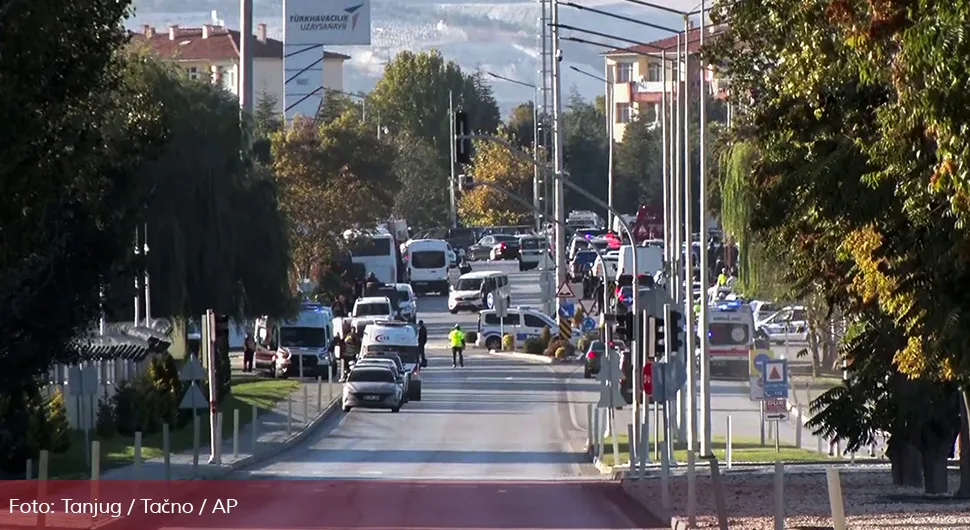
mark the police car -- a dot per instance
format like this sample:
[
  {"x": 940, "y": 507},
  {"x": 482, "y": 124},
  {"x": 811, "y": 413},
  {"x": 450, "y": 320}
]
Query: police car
[{"x": 522, "y": 322}]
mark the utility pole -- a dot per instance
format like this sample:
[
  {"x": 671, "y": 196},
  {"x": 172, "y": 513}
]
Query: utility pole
[
  {"x": 451, "y": 181},
  {"x": 705, "y": 350},
  {"x": 138, "y": 264},
  {"x": 547, "y": 58},
  {"x": 679, "y": 226},
  {"x": 608, "y": 77},
  {"x": 148, "y": 288},
  {"x": 536, "y": 194},
  {"x": 559, "y": 207},
  {"x": 246, "y": 57},
  {"x": 690, "y": 322},
  {"x": 667, "y": 189}
]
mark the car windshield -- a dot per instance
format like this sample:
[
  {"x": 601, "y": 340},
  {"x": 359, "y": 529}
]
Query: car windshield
[
  {"x": 405, "y": 294},
  {"x": 296, "y": 337},
  {"x": 385, "y": 355},
  {"x": 600, "y": 244},
  {"x": 597, "y": 345},
  {"x": 370, "y": 376},
  {"x": 728, "y": 334},
  {"x": 585, "y": 257},
  {"x": 428, "y": 259},
  {"x": 531, "y": 243},
  {"x": 372, "y": 309},
  {"x": 499, "y": 238},
  {"x": 407, "y": 354},
  {"x": 469, "y": 284}
]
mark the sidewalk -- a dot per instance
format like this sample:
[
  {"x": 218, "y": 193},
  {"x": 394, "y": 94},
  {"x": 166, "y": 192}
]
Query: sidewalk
[{"x": 271, "y": 433}]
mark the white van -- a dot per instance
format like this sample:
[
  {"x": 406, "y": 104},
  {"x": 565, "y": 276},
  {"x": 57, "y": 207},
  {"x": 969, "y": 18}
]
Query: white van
[
  {"x": 477, "y": 290},
  {"x": 282, "y": 347},
  {"x": 730, "y": 334},
  {"x": 400, "y": 339},
  {"x": 649, "y": 260},
  {"x": 427, "y": 265},
  {"x": 531, "y": 251},
  {"x": 522, "y": 322}
]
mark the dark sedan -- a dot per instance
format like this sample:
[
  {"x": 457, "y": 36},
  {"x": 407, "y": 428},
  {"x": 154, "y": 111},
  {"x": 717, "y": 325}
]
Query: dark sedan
[{"x": 485, "y": 248}]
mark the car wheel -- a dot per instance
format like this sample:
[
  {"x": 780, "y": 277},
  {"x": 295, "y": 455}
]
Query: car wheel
[
  {"x": 522, "y": 267},
  {"x": 508, "y": 301},
  {"x": 415, "y": 394},
  {"x": 453, "y": 311},
  {"x": 396, "y": 409},
  {"x": 587, "y": 374},
  {"x": 493, "y": 343},
  {"x": 346, "y": 408}
]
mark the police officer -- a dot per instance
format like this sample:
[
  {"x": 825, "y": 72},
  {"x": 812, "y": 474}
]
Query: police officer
[
  {"x": 457, "y": 338},
  {"x": 422, "y": 339}
]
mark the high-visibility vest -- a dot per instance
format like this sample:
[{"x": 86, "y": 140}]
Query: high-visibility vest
[{"x": 457, "y": 338}]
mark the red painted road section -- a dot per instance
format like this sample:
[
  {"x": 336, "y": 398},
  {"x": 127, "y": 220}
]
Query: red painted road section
[{"x": 379, "y": 504}]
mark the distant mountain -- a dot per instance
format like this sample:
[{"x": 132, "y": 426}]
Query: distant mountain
[{"x": 499, "y": 36}]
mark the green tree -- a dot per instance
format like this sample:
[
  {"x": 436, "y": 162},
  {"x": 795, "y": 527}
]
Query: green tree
[
  {"x": 586, "y": 150},
  {"x": 521, "y": 125},
  {"x": 848, "y": 141},
  {"x": 59, "y": 428},
  {"x": 204, "y": 209},
  {"x": 266, "y": 120},
  {"x": 412, "y": 96},
  {"x": 638, "y": 170},
  {"x": 332, "y": 177},
  {"x": 423, "y": 198},
  {"x": 68, "y": 189}
]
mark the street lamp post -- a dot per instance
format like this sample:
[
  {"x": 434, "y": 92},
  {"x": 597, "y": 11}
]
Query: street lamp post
[
  {"x": 536, "y": 195},
  {"x": 609, "y": 133}
]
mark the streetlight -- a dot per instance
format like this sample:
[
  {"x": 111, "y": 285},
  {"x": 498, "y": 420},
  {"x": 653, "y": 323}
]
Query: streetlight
[
  {"x": 609, "y": 131},
  {"x": 535, "y": 144}
]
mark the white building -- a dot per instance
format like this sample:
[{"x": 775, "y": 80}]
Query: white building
[{"x": 214, "y": 51}]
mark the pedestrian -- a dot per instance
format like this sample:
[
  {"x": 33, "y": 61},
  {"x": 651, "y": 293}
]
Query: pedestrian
[
  {"x": 422, "y": 340},
  {"x": 722, "y": 278},
  {"x": 340, "y": 307},
  {"x": 249, "y": 352},
  {"x": 457, "y": 338},
  {"x": 373, "y": 284}
]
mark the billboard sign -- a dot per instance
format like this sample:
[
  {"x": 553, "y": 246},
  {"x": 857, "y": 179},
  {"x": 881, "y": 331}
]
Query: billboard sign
[{"x": 327, "y": 22}]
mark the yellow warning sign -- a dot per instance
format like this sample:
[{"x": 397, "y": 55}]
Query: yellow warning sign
[{"x": 565, "y": 328}]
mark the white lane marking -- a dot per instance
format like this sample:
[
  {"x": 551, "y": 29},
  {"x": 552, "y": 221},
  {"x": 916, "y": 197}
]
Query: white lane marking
[{"x": 370, "y": 472}]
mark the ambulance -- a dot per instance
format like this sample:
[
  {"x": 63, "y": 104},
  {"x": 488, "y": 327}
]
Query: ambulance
[{"x": 730, "y": 338}]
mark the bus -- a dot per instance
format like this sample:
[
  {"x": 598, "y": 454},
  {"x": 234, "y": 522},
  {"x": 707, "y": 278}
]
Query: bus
[{"x": 376, "y": 250}]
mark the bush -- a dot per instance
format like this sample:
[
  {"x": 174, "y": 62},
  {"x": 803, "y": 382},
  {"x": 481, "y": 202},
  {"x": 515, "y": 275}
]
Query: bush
[
  {"x": 164, "y": 375},
  {"x": 583, "y": 344},
  {"x": 544, "y": 337},
  {"x": 508, "y": 342},
  {"x": 554, "y": 344},
  {"x": 139, "y": 406},
  {"x": 59, "y": 436},
  {"x": 561, "y": 353},
  {"x": 38, "y": 429},
  {"x": 106, "y": 426},
  {"x": 533, "y": 345},
  {"x": 578, "y": 317}
]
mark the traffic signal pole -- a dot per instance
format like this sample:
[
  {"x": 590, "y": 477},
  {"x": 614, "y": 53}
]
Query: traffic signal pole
[{"x": 454, "y": 147}]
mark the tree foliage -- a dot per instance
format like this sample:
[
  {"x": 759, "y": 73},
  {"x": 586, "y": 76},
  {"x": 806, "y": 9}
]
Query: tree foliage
[
  {"x": 520, "y": 126},
  {"x": 69, "y": 195},
  {"x": 412, "y": 97},
  {"x": 423, "y": 198},
  {"x": 332, "y": 177},
  {"x": 496, "y": 165},
  {"x": 585, "y": 148},
  {"x": 210, "y": 209},
  {"x": 858, "y": 185},
  {"x": 638, "y": 169}
]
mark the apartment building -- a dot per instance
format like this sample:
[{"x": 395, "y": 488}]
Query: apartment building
[
  {"x": 213, "y": 51},
  {"x": 637, "y": 73}
]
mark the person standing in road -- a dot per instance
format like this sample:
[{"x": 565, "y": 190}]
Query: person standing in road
[
  {"x": 457, "y": 339},
  {"x": 422, "y": 339},
  {"x": 249, "y": 351}
]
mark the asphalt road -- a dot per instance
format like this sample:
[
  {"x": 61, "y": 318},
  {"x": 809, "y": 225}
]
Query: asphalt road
[{"x": 496, "y": 444}]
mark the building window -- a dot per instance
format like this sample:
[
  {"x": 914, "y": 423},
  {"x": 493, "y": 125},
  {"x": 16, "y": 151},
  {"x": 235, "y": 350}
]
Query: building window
[
  {"x": 653, "y": 73},
  {"x": 193, "y": 72},
  {"x": 624, "y": 113},
  {"x": 649, "y": 111},
  {"x": 624, "y": 72}
]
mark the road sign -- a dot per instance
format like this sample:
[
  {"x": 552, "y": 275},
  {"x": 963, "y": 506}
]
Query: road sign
[
  {"x": 567, "y": 309},
  {"x": 589, "y": 324},
  {"x": 609, "y": 377},
  {"x": 776, "y": 409},
  {"x": 192, "y": 370},
  {"x": 501, "y": 308},
  {"x": 775, "y": 378},
  {"x": 82, "y": 381},
  {"x": 757, "y": 357},
  {"x": 565, "y": 291},
  {"x": 194, "y": 399}
]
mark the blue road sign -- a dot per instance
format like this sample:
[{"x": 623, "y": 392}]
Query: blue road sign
[
  {"x": 567, "y": 309},
  {"x": 760, "y": 360},
  {"x": 589, "y": 324},
  {"x": 775, "y": 377}
]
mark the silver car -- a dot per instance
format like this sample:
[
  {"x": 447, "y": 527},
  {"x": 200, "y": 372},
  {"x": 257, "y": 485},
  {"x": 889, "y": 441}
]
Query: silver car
[
  {"x": 385, "y": 362},
  {"x": 373, "y": 387}
]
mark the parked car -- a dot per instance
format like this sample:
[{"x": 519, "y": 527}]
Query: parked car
[{"x": 483, "y": 249}]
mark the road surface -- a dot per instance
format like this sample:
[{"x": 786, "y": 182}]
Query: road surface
[{"x": 496, "y": 444}]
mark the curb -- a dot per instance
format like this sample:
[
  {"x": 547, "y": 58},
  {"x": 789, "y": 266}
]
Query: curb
[
  {"x": 658, "y": 512},
  {"x": 540, "y": 359},
  {"x": 252, "y": 460}
]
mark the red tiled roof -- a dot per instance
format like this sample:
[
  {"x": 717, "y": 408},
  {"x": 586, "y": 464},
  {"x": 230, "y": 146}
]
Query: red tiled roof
[
  {"x": 221, "y": 44},
  {"x": 670, "y": 43}
]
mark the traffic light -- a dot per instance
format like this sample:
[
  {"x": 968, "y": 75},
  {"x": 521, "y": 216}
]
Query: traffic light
[
  {"x": 648, "y": 378},
  {"x": 624, "y": 326},
  {"x": 674, "y": 330},
  {"x": 463, "y": 146},
  {"x": 659, "y": 336}
]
